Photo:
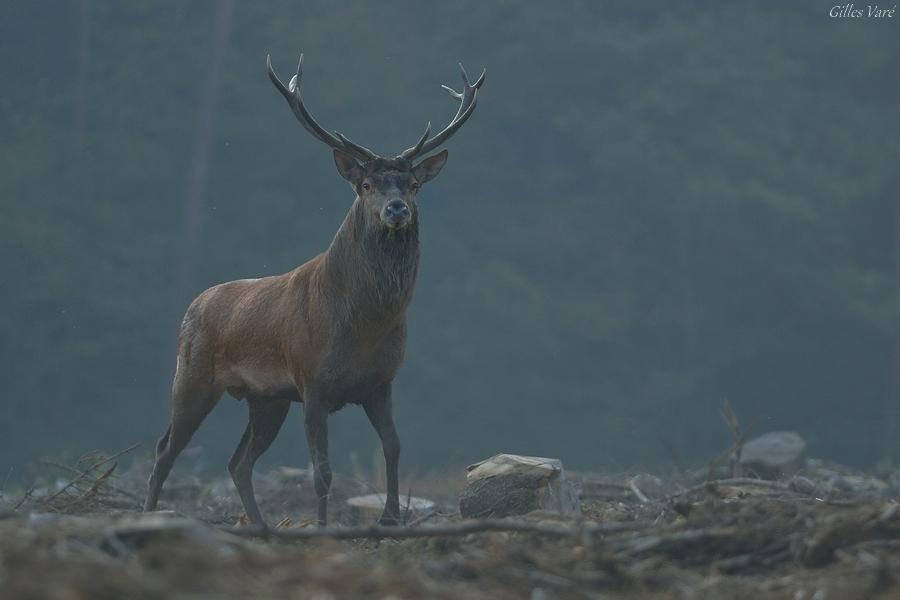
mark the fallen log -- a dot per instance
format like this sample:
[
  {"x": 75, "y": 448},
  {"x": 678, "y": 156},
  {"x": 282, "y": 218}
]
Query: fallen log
[{"x": 442, "y": 530}]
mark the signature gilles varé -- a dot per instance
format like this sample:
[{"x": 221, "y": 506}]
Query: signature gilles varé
[{"x": 869, "y": 11}]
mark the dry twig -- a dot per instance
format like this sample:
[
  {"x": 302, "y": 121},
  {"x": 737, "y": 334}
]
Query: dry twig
[{"x": 86, "y": 473}]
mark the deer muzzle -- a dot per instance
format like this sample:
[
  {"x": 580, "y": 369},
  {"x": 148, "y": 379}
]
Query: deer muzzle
[{"x": 396, "y": 214}]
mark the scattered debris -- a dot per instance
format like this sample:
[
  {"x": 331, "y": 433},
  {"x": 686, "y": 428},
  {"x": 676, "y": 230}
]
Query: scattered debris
[
  {"x": 509, "y": 484},
  {"x": 90, "y": 487},
  {"x": 834, "y": 480},
  {"x": 827, "y": 531}
]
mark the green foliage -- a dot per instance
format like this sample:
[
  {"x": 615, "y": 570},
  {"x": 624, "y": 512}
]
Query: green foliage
[{"x": 655, "y": 207}]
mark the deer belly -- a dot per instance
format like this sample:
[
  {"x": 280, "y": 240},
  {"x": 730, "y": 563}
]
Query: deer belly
[{"x": 244, "y": 382}]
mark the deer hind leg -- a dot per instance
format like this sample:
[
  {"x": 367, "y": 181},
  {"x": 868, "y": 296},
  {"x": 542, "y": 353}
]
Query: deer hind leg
[
  {"x": 266, "y": 419},
  {"x": 191, "y": 403}
]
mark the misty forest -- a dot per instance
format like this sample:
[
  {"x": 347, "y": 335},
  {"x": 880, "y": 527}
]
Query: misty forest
[{"x": 668, "y": 229}]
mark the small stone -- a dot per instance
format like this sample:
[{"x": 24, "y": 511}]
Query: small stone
[
  {"x": 803, "y": 485},
  {"x": 509, "y": 484},
  {"x": 774, "y": 455},
  {"x": 366, "y": 509}
]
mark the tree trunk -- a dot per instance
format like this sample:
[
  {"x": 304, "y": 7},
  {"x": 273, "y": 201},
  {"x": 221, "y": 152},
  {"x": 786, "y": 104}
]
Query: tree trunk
[
  {"x": 79, "y": 178},
  {"x": 198, "y": 172},
  {"x": 202, "y": 150}
]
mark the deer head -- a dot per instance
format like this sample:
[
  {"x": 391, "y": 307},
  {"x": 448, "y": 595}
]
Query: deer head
[{"x": 386, "y": 186}]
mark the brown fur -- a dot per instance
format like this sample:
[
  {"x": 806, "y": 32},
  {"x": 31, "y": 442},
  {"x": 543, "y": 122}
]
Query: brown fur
[{"x": 328, "y": 333}]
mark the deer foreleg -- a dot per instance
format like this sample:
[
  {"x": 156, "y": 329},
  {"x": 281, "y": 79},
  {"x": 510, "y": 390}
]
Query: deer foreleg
[
  {"x": 379, "y": 409},
  {"x": 315, "y": 421}
]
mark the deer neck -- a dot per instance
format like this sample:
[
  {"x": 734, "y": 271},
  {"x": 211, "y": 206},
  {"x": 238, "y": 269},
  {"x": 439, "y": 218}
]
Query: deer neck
[{"x": 370, "y": 270}]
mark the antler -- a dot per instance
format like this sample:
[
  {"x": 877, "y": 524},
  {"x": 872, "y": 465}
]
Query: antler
[
  {"x": 467, "y": 100},
  {"x": 291, "y": 93}
]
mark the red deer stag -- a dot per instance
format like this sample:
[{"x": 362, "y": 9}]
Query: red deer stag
[{"x": 330, "y": 332}]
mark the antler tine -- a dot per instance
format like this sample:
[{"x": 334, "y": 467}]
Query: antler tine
[
  {"x": 452, "y": 92},
  {"x": 454, "y": 125},
  {"x": 294, "y": 83},
  {"x": 275, "y": 80},
  {"x": 292, "y": 94},
  {"x": 352, "y": 146},
  {"x": 467, "y": 99},
  {"x": 480, "y": 81},
  {"x": 418, "y": 147},
  {"x": 288, "y": 93}
]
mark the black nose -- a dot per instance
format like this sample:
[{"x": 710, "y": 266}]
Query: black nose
[{"x": 396, "y": 211}]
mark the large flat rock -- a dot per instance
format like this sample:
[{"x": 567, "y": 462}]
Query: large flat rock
[{"x": 509, "y": 484}]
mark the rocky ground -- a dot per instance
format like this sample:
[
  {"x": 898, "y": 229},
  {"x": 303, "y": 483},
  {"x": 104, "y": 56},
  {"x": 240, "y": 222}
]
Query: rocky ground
[{"x": 824, "y": 531}]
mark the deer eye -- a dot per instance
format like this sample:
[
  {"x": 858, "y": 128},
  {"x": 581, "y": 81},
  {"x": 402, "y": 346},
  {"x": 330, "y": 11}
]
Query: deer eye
[
  {"x": 366, "y": 186},
  {"x": 415, "y": 185}
]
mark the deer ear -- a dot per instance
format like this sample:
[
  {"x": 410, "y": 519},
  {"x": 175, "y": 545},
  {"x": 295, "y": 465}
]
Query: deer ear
[
  {"x": 348, "y": 167},
  {"x": 430, "y": 167}
]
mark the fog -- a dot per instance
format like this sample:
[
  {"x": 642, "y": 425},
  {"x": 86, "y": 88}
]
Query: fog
[{"x": 655, "y": 210}]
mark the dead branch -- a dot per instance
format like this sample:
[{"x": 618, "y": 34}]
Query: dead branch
[
  {"x": 641, "y": 496},
  {"x": 76, "y": 480},
  {"x": 77, "y": 472},
  {"x": 28, "y": 495},
  {"x": 445, "y": 530},
  {"x": 735, "y": 481},
  {"x": 96, "y": 485}
]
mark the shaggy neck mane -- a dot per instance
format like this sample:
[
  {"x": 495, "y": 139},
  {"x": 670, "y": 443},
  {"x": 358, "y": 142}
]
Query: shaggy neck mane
[{"x": 371, "y": 269}]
